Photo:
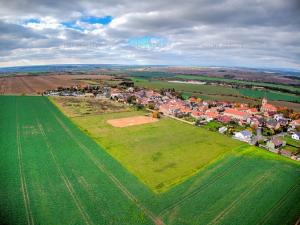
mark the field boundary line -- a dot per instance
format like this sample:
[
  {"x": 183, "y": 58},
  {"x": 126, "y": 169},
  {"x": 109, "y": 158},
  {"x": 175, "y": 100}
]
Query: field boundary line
[
  {"x": 279, "y": 203},
  {"x": 201, "y": 188},
  {"x": 30, "y": 220},
  {"x": 238, "y": 199},
  {"x": 66, "y": 181},
  {"x": 115, "y": 180}
]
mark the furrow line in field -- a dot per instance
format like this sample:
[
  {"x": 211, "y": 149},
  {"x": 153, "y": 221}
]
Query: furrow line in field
[
  {"x": 201, "y": 188},
  {"x": 278, "y": 204},
  {"x": 64, "y": 178},
  {"x": 29, "y": 217},
  {"x": 102, "y": 168},
  {"x": 238, "y": 200}
]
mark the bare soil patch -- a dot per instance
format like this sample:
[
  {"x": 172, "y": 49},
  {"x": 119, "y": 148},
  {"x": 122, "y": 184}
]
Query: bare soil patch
[
  {"x": 131, "y": 121},
  {"x": 26, "y": 84}
]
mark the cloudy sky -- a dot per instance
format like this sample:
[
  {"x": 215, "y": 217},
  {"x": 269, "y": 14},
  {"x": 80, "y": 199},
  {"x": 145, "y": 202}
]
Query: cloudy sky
[{"x": 250, "y": 33}]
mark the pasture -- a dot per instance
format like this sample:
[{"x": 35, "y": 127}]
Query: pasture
[{"x": 52, "y": 173}]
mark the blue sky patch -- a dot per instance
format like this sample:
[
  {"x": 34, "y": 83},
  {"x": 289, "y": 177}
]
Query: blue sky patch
[
  {"x": 32, "y": 20},
  {"x": 72, "y": 25},
  {"x": 94, "y": 20},
  {"x": 147, "y": 42}
]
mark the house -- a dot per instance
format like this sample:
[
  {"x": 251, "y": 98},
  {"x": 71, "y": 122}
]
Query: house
[
  {"x": 295, "y": 123},
  {"x": 274, "y": 144},
  {"x": 272, "y": 124},
  {"x": 278, "y": 116},
  {"x": 222, "y": 130},
  {"x": 296, "y": 136},
  {"x": 211, "y": 114},
  {"x": 252, "y": 111},
  {"x": 224, "y": 119},
  {"x": 236, "y": 114},
  {"x": 244, "y": 135},
  {"x": 243, "y": 107},
  {"x": 89, "y": 95},
  {"x": 197, "y": 114},
  {"x": 253, "y": 121},
  {"x": 130, "y": 89}
]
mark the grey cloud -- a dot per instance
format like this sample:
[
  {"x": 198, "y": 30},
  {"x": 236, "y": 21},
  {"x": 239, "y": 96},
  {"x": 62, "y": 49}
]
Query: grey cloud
[{"x": 250, "y": 32}]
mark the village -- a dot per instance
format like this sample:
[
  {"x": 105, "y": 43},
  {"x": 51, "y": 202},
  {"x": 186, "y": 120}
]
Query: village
[{"x": 272, "y": 128}]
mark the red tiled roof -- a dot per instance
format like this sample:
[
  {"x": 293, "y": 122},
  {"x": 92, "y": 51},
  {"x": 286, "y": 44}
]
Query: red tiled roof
[
  {"x": 269, "y": 107},
  {"x": 235, "y": 112},
  {"x": 253, "y": 110},
  {"x": 296, "y": 122},
  {"x": 197, "y": 113},
  {"x": 212, "y": 114}
]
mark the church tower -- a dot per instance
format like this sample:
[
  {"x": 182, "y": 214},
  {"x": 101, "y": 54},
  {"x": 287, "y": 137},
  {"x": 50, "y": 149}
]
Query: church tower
[{"x": 264, "y": 101}]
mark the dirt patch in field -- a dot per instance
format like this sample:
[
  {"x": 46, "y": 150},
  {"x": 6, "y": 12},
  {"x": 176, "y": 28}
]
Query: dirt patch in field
[{"x": 131, "y": 121}]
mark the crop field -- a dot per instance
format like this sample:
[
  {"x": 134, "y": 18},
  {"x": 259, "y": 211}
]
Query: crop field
[
  {"x": 235, "y": 81},
  {"x": 271, "y": 95},
  {"x": 197, "y": 89},
  {"x": 52, "y": 173}
]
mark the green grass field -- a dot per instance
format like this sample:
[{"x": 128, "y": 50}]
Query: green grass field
[
  {"x": 192, "y": 88},
  {"x": 161, "y": 154},
  {"x": 52, "y": 173},
  {"x": 271, "y": 95}
]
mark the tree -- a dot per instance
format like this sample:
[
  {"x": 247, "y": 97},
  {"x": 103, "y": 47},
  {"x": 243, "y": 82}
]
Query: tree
[
  {"x": 131, "y": 99},
  {"x": 151, "y": 105},
  {"x": 268, "y": 132}
]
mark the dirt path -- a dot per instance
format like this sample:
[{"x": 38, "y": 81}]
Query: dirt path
[
  {"x": 64, "y": 178},
  {"x": 102, "y": 168},
  {"x": 24, "y": 190}
]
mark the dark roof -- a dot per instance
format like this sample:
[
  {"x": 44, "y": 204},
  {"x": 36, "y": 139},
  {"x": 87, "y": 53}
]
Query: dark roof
[
  {"x": 277, "y": 141},
  {"x": 297, "y": 133}
]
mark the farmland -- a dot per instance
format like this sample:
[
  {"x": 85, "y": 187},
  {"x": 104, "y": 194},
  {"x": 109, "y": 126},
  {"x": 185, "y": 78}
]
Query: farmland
[
  {"x": 235, "y": 81},
  {"x": 161, "y": 154},
  {"x": 33, "y": 84},
  {"x": 224, "y": 93},
  {"x": 52, "y": 173},
  {"x": 271, "y": 95}
]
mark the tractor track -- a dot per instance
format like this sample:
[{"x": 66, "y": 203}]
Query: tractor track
[
  {"x": 24, "y": 190},
  {"x": 64, "y": 178},
  {"x": 115, "y": 180}
]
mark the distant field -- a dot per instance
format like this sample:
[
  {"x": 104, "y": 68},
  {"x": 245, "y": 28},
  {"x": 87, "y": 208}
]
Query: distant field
[
  {"x": 34, "y": 84},
  {"x": 219, "y": 93},
  {"x": 233, "y": 81},
  {"x": 271, "y": 95},
  {"x": 196, "y": 88},
  {"x": 52, "y": 173}
]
